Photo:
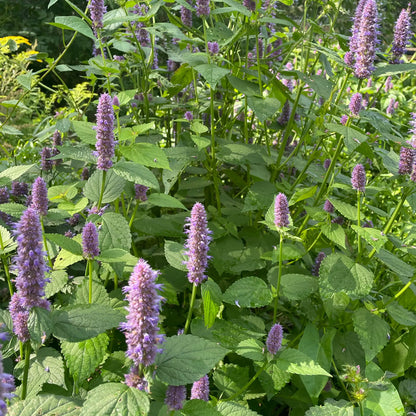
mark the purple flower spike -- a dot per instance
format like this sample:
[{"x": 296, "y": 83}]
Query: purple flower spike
[
  {"x": 4, "y": 195},
  {"x": 45, "y": 163},
  {"x": 197, "y": 244},
  {"x": 57, "y": 138},
  {"x": 105, "y": 135},
  {"x": 200, "y": 389},
  {"x": 141, "y": 328},
  {"x": 7, "y": 388},
  {"x": 30, "y": 281},
  {"x": 281, "y": 211},
  {"x": 250, "y": 4},
  {"x": 358, "y": 178},
  {"x": 402, "y": 35},
  {"x": 366, "y": 41},
  {"x": 90, "y": 241},
  {"x": 283, "y": 119},
  {"x": 202, "y": 8},
  {"x": 406, "y": 160},
  {"x": 40, "y": 196},
  {"x": 355, "y": 103},
  {"x": 317, "y": 265},
  {"x": 274, "y": 339},
  {"x": 85, "y": 174},
  {"x": 134, "y": 379},
  {"x": 189, "y": 116},
  {"x": 19, "y": 189},
  {"x": 140, "y": 192},
  {"x": 213, "y": 48},
  {"x": 175, "y": 396},
  {"x": 97, "y": 10},
  {"x": 186, "y": 15},
  {"x": 328, "y": 207},
  {"x": 349, "y": 57}
]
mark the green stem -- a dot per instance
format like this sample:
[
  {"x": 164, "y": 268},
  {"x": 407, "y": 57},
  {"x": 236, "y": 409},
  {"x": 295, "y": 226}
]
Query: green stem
[
  {"x": 279, "y": 278},
  {"x": 102, "y": 190},
  {"x": 26, "y": 369},
  {"x": 133, "y": 214},
  {"x": 191, "y": 306},
  {"x": 359, "y": 222},
  {"x": 6, "y": 266},
  {"x": 90, "y": 264},
  {"x": 44, "y": 242}
]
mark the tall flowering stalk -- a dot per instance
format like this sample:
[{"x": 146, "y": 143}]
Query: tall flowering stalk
[
  {"x": 90, "y": 250},
  {"x": 197, "y": 245},
  {"x": 105, "y": 137},
  {"x": 402, "y": 36},
  {"x": 358, "y": 180},
  {"x": 30, "y": 281},
  {"x": 200, "y": 389},
  {"x": 141, "y": 329},
  {"x": 175, "y": 396},
  {"x": 274, "y": 339}
]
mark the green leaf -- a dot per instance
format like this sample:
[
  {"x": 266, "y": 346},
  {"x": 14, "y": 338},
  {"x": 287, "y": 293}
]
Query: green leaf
[
  {"x": 83, "y": 153},
  {"x": 211, "y": 299},
  {"x": 165, "y": 201},
  {"x": 332, "y": 408},
  {"x": 212, "y": 73},
  {"x": 401, "y": 315},
  {"x": 115, "y": 399},
  {"x": 114, "y": 232},
  {"x": 13, "y": 131},
  {"x": 347, "y": 210},
  {"x": 82, "y": 358},
  {"x": 57, "y": 281},
  {"x": 116, "y": 255},
  {"x": 248, "y": 292},
  {"x": 81, "y": 322},
  {"x": 353, "y": 138},
  {"x": 201, "y": 142},
  {"x": 198, "y": 128},
  {"x": 25, "y": 80},
  {"x": 66, "y": 243},
  {"x": 136, "y": 173},
  {"x": 74, "y": 23},
  {"x": 296, "y": 362},
  {"x": 298, "y": 286},
  {"x": 39, "y": 324},
  {"x": 81, "y": 294},
  {"x": 335, "y": 233},
  {"x": 374, "y": 237},
  {"x": 62, "y": 193},
  {"x": 186, "y": 358},
  {"x": 246, "y": 87},
  {"x": 130, "y": 133},
  {"x": 234, "y": 409},
  {"x": 339, "y": 273},
  {"x": 146, "y": 154},
  {"x": 392, "y": 69},
  {"x": 7, "y": 241},
  {"x": 265, "y": 108},
  {"x": 199, "y": 408},
  {"x": 273, "y": 379},
  {"x": 302, "y": 194},
  {"x": 13, "y": 209},
  {"x": 394, "y": 263},
  {"x": 372, "y": 331},
  {"x": 46, "y": 405},
  {"x": 230, "y": 378},
  {"x": 251, "y": 349},
  {"x": 174, "y": 253},
  {"x": 85, "y": 131},
  {"x": 113, "y": 187},
  {"x": 15, "y": 172},
  {"x": 72, "y": 208}
]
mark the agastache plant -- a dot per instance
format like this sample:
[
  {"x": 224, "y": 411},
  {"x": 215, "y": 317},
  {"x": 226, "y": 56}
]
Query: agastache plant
[
  {"x": 90, "y": 250},
  {"x": 141, "y": 329},
  {"x": 358, "y": 181},
  {"x": 402, "y": 36},
  {"x": 202, "y": 8},
  {"x": 175, "y": 396},
  {"x": 200, "y": 389},
  {"x": 97, "y": 10},
  {"x": 274, "y": 339}
]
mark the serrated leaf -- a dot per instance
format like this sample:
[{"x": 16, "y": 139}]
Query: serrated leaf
[
  {"x": 74, "y": 23},
  {"x": 7, "y": 241},
  {"x": 174, "y": 254},
  {"x": 391, "y": 69},
  {"x": 82, "y": 358},
  {"x": 57, "y": 281},
  {"x": 199, "y": 408},
  {"x": 234, "y": 409},
  {"x": 65, "y": 258},
  {"x": 374, "y": 237},
  {"x": 371, "y": 330},
  {"x": 114, "y": 232},
  {"x": 186, "y": 358},
  {"x": 146, "y": 154},
  {"x": 296, "y": 362},
  {"x": 298, "y": 286},
  {"x": 165, "y": 201},
  {"x": 264, "y": 108},
  {"x": 248, "y": 292},
  {"x": 339, "y": 273},
  {"x": 72, "y": 208},
  {"x": 332, "y": 408},
  {"x": 46, "y": 405},
  {"x": 81, "y": 322},
  {"x": 251, "y": 349},
  {"x": 115, "y": 399},
  {"x": 401, "y": 315},
  {"x": 212, "y": 73},
  {"x": 346, "y": 210},
  {"x": 66, "y": 243},
  {"x": 353, "y": 138},
  {"x": 136, "y": 173},
  {"x": 335, "y": 233},
  {"x": 211, "y": 298},
  {"x": 230, "y": 378},
  {"x": 81, "y": 294},
  {"x": 15, "y": 172},
  {"x": 85, "y": 131},
  {"x": 273, "y": 379},
  {"x": 394, "y": 263},
  {"x": 13, "y": 209},
  {"x": 113, "y": 187},
  {"x": 39, "y": 324}
]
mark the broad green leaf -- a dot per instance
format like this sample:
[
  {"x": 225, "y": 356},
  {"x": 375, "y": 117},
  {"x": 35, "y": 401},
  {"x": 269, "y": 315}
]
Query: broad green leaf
[
  {"x": 392, "y": 69},
  {"x": 273, "y": 379},
  {"x": 201, "y": 142},
  {"x": 199, "y": 408},
  {"x": 251, "y": 349},
  {"x": 7, "y": 241},
  {"x": 25, "y": 80},
  {"x": 74, "y": 23},
  {"x": 332, "y": 408},
  {"x": 212, "y": 73},
  {"x": 136, "y": 173},
  {"x": 13, "y": 209},
  {"x": 339, "y": 273},
  {"x": 198, "y": 128},
  {"x": 114, "y": 232},
  {"x": 82, "y": 358},
  {"x": 65, "y": 258},
  {"x": 174, "y": 253},
  {"x": 394, "y": 263},
  {"x": 62, "y": 193},
  {"x": 81, "y": 322},
  {"x": 66, "y": 243},
  {"x": 15, "y": 172},
  {"x": 264, "y": 108},
  {"x": 246, "y": 87},
  {"x": 353, "y": 138},
  {"x": 211, "y": 299},
  {"x": 115, "y": 399},
  {"x": 298, "y": 286},
  {"x": 130, "y": 133},
  {"x": 230, "y": 378},
  {"x": 112, "y": 189},
  {"x": 374, "y": 237},
  {"x": 72, "y": 208},
  {"x": 83, "y": 153},
  {"x": 234, "y": 409},
  {"x": 346, "y": 210},
  {"x": 296, "y": 362},
  {"x": 146, "y": 154},
  {"x": 335, "y": 233},
  {"x": 165, "y": 201},
  {"x": 248, "y": 292},
  {"x": 372, "y": 331},
  {"x": 57, "y": 281},
  {"x": 81, "y": 294},
  {"x": 116, "y": 255},
  {"x": 302, "y": 194},
  {"x": 401, "y": 315},
  {"x": 186, "y": 358},
  {"x": 85, "y": 131},
  {"x": 46, "y": 405},
  {"x": 39, "y": 324}
]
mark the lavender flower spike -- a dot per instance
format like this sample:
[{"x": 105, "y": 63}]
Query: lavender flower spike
[
  {"x": 186, "y": 15},
  {"x": 175, "y": 396},
  {"x": 274, "y": 339},
  {"x": 366, "y": 41},
  {"x": 197, "y": 244},
  {"x": 202, "y": 8},
  {"x": 97, "y": 10},
  {"x": 30, "y": 281},
  {"x": 40, "y": 196},
  {"x": 200, "y": 389},
  {"x": 402, "y": 35},
  {"x": 90, "y": 241},
  {"x": 358, "y": 178},
  {"x": 141, "y": 328},
  {"x": 406, "y": 160},
  {"x": 7, "y": 387},
  {"x": 45, "y": 163},
  {"x": 105, "y": 135},
  {"x": 281, "y": 211},
  {"x": 140, "y": 192},
  {"x": 317, "y": 265},
  {"x": 356, "y": 103}
]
